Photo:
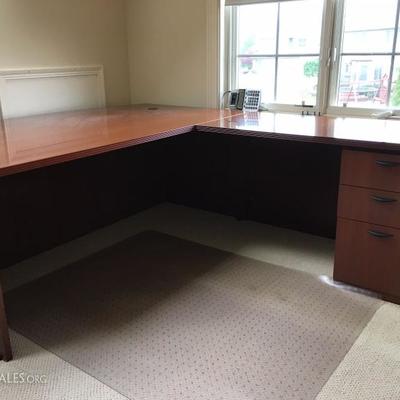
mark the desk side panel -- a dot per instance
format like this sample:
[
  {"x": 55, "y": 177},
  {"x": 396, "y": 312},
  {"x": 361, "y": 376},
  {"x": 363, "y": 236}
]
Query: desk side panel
[{"x": 44, "y": 208}]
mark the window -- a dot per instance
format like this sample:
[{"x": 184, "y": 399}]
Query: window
[
  {"x": 367, "y": 67},
  {"x": 329, "y": 55},
  {"x": 276, "y": 53}
]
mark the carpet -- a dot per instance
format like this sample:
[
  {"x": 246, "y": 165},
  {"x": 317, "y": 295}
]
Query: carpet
[{"x": 157, "y": 317}]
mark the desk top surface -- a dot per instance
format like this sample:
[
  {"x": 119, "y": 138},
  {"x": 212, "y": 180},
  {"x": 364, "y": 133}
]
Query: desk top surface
[
  {"x": 353, "y": 132},
  {"x": 38, "y": 141},
  {"x": 33, "y": 142}
]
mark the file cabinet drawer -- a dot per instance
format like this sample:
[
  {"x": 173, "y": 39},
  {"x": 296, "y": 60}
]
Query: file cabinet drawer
[
  {"x": 371, "y": 170},
  {"x": 368, "y": 256},
  {"x": 369, "y": 205}
]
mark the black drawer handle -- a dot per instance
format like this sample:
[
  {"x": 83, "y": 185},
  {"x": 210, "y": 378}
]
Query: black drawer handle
[
  {"x": 380, "y": 235},
  {"x": 380, "y": 199},
  {"x": 387, "y": 164}
]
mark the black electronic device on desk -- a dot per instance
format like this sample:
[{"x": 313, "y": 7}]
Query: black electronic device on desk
[{"x": 245, "y": 99}]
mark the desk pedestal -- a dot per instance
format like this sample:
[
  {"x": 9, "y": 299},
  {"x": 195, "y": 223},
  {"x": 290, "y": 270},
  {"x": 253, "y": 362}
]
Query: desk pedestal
[{"x": 368, "y": 228}]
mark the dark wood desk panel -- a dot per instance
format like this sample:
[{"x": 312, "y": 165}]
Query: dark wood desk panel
[
  {"x": 45, "y": 207},
  {"x": 349, "y": 132},
  {"x": 288, "y": 184},
  {"x": 39, "y": 141}
]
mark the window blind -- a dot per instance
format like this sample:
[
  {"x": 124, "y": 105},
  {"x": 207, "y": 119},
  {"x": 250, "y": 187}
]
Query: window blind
[{"x": 243, "y": 2}]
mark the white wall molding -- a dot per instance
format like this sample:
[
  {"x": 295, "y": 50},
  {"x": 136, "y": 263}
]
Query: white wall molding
[{"x": 30, "y": 91}]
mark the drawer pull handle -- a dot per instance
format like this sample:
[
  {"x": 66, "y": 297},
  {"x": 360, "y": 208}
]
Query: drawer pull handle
[
  {"x": 380, "y": 199},
  {"x": 380, "y": 235},
  {"x": 387, "y": 164}
]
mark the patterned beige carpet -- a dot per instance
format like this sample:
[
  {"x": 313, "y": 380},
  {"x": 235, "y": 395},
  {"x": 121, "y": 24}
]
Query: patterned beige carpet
[
  {"x": 371, "y": 369},
  {"x": 158, "y": 317}
]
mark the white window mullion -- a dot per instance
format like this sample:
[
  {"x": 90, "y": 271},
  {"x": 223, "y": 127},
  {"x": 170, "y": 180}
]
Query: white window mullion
[
  {"x": 326, "y": 55},
  {"x": 276, "y": 53},
  {"x": 395, "y": 39},
  {"x": 233, "y": 46},
  {"x": 336, "y": 50}
]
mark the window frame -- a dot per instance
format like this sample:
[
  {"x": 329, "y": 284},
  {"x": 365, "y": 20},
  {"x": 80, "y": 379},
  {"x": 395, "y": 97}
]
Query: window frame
[
  {"x": 329, "y": 57},
  {"x": 337, "y": 44}
]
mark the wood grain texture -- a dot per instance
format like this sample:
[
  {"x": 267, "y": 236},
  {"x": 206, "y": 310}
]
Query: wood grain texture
[
  {"x": 34, "y": 142},
  {"x": 369, "y": 170},
  {"x": 5, "y": 349},
  {"x": 351, "y": 132},
  {"x": 369, "y": 205},
  {"x": 367, "y": 243},
  {"x": 367, "y": 261}
]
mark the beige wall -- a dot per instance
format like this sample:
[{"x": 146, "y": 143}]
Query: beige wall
[
  {"x": 168, "y": 49},
  {"x": 35, "y": 33}
]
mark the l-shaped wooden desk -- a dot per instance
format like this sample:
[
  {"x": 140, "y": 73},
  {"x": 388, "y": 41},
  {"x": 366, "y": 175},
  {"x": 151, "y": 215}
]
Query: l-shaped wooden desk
[{"x": 368, "y": 211}]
